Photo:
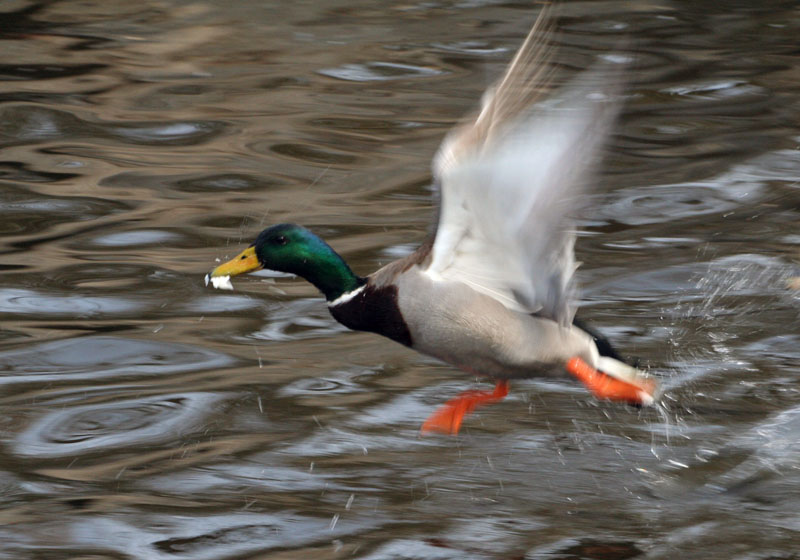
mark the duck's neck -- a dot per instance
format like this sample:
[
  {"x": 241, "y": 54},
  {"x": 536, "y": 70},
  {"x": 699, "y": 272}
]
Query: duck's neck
[{"x": 329, "y": 272}]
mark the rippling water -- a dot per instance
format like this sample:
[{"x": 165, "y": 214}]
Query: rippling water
[{"x": 145, "y": 416}]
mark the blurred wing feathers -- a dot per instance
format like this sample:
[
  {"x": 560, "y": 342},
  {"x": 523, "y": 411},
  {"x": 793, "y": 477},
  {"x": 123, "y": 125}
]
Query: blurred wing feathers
[{"x": 511, "y": 179}]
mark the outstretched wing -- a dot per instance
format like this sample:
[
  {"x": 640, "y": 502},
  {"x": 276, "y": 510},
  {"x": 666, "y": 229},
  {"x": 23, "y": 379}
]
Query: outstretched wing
[{"x": 510, "y": 180}]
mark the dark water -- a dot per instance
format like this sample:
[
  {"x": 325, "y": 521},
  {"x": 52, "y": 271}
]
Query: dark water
[{"x": 145, "y": 416}]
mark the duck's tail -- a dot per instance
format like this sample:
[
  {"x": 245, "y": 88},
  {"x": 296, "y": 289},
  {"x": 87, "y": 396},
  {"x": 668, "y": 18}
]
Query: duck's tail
[
  {"x": 613, "y": 377},
  {"x": 604, "y": 346}
]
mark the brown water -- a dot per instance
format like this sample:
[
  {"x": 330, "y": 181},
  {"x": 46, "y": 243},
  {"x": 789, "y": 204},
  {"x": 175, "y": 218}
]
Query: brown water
[{"x": 145, "y": 416}]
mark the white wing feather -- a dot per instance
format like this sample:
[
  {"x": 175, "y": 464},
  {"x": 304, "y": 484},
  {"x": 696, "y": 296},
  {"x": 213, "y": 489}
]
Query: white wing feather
[{"x": 510, "y": 181}]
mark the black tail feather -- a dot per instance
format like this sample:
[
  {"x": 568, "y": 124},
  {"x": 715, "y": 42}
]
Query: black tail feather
[{"x": 603, "y": 344}]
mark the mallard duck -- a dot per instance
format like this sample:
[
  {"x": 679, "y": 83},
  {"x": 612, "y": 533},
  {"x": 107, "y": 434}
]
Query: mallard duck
[{"x": 491, "y": 289}]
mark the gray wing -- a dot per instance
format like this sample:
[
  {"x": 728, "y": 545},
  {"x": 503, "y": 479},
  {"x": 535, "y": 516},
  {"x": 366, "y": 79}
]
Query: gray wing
[{"x": 511, "y": 179}]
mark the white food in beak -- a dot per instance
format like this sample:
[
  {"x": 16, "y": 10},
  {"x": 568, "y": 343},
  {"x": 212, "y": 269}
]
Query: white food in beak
[{"x": 220, "y": 282}]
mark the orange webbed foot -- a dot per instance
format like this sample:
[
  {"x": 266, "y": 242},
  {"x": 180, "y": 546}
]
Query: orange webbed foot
[
  {"x": 639, "y": 390},
  {"x": 448, "y": 418}
]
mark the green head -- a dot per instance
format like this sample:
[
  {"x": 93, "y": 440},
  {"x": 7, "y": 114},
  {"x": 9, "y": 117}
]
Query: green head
[{"x": 294, "y": 249}]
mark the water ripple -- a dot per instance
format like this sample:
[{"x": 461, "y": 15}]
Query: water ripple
[
  {"x": 174, "y": 134},
  {"x": 19, "y": 301},
  {"x": 226, "y": 535},
  {"x": 226, "y": 478},
  {"x": 379, "y": 71},
  {"x": 46, "y": 71},
  {"x": 100, "y": 427},
  {"x": 25, "y": 212},
  {"x": 104, "y": 356},
  {"x": 136, "y": 238},
  {"x": 313, "y": 154},
  {"x": 25, "y": 124},
  {"x": 298, "y": 320}
]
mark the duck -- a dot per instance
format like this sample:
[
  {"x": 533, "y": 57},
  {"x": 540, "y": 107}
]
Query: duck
[{"x": 491, "y": 290}]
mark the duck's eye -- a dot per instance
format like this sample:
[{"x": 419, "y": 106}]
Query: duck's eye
[{"x": 281, "y": 240}]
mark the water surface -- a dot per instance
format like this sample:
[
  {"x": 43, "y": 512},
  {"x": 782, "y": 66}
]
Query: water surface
[{"x": 146, "y": 416}]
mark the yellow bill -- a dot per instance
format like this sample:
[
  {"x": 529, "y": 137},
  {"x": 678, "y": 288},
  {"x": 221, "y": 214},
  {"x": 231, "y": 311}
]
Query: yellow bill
[{"x": 246, "y": 261}]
